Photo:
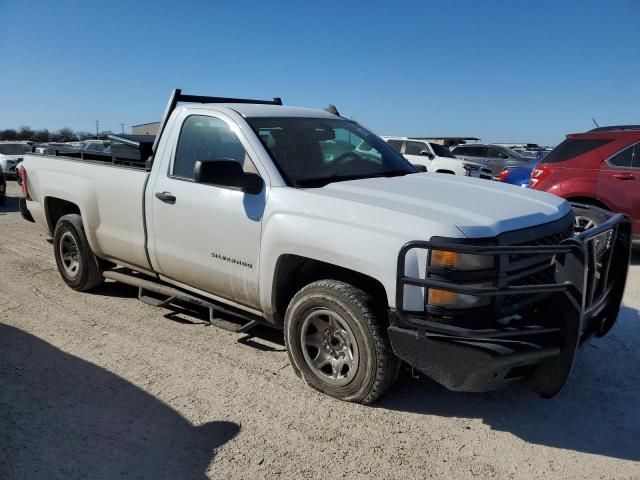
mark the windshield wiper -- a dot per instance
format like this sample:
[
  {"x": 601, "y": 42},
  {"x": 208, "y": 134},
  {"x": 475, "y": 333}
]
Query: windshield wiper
[{"x": 326, "y": 180}]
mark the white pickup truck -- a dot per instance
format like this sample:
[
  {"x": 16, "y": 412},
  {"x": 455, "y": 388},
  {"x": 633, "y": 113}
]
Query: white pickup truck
[{"x": 245, "y": 208}]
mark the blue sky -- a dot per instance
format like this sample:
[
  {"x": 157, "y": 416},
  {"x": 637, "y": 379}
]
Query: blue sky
[{"x": 499, "y": 70}]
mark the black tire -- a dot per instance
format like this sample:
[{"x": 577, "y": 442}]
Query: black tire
[
  {"x": 88, "y": 274},
  {"x": 586, "y": 218},
  {"x": 3, "y": 199},
  {"x": 377, "y": 368}
]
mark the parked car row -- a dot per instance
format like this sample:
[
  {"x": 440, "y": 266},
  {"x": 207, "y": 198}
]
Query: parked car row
[
  {"x": 436, "y": 158},
  {"x": 599, "y": 169}
]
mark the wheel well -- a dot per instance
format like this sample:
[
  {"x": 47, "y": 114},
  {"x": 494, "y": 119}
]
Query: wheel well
[
  {"x": 589, "y": 201},
  {"x": 294, "y": 272},
  {"x": 55, "y": 208},
  {"x": 446, "y": 171}
]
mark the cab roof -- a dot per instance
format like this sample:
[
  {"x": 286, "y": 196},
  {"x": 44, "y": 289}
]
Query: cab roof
[{"x": 251, "y": 110}]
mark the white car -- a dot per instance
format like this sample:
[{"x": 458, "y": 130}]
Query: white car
[
  {"x": 436, "y": 158},
  {"x": 11, "y": 154},
  {"x": 270, "y": 214}
]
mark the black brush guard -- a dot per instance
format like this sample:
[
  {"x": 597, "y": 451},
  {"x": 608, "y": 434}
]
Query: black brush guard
[{"x": 583, "y": 300}]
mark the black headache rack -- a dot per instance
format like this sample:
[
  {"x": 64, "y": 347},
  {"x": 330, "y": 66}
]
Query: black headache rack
[
  {"x": 582, "y": 300},
  {"x": 177, "y": 96}
]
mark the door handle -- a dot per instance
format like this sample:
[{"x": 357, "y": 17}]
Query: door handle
[
  {"x": 166, "y": 197},
  {"x": 624, "y": 176}
]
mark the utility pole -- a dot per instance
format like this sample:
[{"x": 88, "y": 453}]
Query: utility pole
[
  {"x": 97, "y": 124},
  {"x": 122, "y": 125}
]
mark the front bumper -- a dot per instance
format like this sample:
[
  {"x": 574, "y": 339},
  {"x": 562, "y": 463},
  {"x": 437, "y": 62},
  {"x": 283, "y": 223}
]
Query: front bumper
[{"x": 540, "y": 345}]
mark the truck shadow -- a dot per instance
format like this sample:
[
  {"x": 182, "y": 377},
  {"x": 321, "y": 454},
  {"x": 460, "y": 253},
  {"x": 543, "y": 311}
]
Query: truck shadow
[
  {"x": 10, "y": 205},
  {"x": 63, "y": 417},
  {"x": 595, "y": 413}
]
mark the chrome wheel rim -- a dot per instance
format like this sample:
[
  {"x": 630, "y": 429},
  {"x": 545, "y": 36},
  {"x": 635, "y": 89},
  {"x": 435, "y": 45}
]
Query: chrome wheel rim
[
  {"x": 68, "y": 250},
  {"x": 329, "y": 347},
  {"x": 580, "y": 224}
]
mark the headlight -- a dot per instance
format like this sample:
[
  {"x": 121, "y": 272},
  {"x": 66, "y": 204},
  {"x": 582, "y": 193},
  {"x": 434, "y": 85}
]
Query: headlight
[
  {"x": 470, "y": 167},
  {"x": 461, "y": 261},
  {"x": 452, "y": 300}
]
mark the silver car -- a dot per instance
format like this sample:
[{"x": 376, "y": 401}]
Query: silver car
[
  {"x": 493, "y": 156},
  {"x": 11, "y": 154}
]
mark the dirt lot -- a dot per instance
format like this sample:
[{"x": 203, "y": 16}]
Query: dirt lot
[{"x": 103, "y": 386}]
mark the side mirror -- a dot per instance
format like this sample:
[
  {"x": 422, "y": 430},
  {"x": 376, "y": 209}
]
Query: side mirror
[
  {"x": 427, "y": 153},
  {"x": 420, "y": 168},
  {"x": 226, "y": 173}
]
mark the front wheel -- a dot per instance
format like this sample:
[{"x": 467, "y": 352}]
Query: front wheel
[
  {"x": 587, "y": 218},
  {"x": 336, "y": 342},
  {"x": 77, "y": 264}
]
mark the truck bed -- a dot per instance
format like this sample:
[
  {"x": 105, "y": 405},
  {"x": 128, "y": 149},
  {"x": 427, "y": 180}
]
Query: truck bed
[{"x": 109, "y": 196}]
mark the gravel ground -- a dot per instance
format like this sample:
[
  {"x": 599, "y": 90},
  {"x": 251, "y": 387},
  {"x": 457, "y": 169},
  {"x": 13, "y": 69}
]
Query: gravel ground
[{"x": 103, "y": 386}]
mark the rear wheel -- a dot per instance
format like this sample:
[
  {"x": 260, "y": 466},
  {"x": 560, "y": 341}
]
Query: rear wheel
[
  {"x": 337, "y": 344},
  {"x": 78, "y": 266}
]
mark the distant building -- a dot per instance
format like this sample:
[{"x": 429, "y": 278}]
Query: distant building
[
  {"x": 145, "y": 128},
  {"x": 449, "y": 141}
]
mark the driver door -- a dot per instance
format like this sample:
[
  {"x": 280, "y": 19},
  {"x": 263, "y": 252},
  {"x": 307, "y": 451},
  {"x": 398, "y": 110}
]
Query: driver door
[
  {"x": 412, "y": 152},
  {"x": 204, "y": 236}
]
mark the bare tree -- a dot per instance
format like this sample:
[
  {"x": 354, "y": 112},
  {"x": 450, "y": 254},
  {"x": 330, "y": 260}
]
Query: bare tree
[
  {"x": 25, "y": 133},
  {"x": 41, "y": 135},
  {"x": 8, "y": 134},
  {"x": 67, "y": 135},
  {"x": 82, "y": 135}
]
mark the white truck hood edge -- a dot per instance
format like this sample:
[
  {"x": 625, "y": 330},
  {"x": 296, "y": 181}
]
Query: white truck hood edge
[{"x": 479, "y": 208}]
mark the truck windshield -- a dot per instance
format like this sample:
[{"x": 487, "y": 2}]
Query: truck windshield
[
  {"x": 441, "y": 150},
  {"x": 313, "y": 152}
]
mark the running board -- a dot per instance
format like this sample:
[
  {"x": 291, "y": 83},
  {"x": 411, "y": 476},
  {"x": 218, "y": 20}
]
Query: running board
[{"x": 172, "y": 294}]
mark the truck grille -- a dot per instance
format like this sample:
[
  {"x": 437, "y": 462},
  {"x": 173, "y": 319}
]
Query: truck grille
[
  {"x": 540, "y": 275},
  {"x": 553, "y": 239}
]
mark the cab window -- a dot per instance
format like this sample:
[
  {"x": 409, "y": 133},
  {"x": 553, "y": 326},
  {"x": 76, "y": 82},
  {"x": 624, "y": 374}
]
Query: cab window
[
  {"x": 414, "y": 148},
  {"x": 207, "y": 138},
  {"x": 623, "y": 159},
  {"x": 396, "y": 144}
]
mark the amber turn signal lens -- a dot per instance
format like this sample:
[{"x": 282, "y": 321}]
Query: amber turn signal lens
[
  {"x": 441, "y": 297},
  {"x": 443, "y": 258},
  {"x": 461, "y": 261}
]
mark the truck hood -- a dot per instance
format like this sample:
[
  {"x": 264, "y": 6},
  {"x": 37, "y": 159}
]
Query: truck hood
[{"x": 479, "y": 208}]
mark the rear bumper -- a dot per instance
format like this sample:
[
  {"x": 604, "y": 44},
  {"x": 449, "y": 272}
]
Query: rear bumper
[{"x": 539, "y": 348}]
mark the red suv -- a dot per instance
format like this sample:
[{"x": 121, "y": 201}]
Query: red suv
[{"x": 600, "y": 167}]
